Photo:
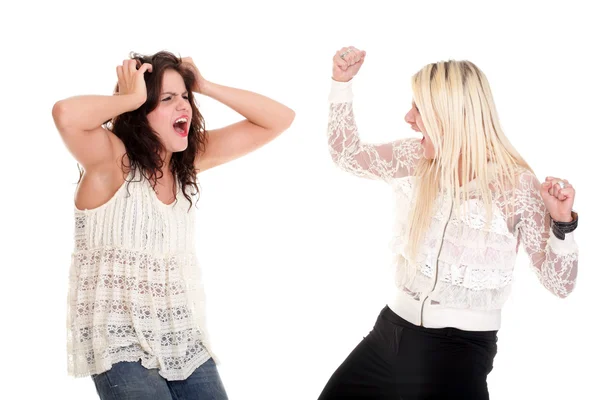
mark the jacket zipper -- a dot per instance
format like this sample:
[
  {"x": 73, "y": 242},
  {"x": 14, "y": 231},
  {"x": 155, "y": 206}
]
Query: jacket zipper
[{"x": 437, "y": 262}]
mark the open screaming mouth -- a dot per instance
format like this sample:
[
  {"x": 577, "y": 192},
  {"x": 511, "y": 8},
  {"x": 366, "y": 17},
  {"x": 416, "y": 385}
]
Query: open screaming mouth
[{"x": 180, "y": 126}]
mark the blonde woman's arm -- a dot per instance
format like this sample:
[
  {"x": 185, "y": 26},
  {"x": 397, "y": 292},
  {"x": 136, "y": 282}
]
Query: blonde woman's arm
[
  {"x": 555, "y": 261},
  {"x": 375, "y": 161}
]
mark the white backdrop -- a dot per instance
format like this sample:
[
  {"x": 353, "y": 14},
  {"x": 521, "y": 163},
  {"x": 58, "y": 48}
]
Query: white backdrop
[{"x": 294, "y": 251}]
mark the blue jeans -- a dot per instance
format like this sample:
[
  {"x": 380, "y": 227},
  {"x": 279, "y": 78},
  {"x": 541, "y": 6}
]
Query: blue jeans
[{"x": 132, "y": 381}]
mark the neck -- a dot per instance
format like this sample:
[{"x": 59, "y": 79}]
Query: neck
[{"x": 166, "y": 165}]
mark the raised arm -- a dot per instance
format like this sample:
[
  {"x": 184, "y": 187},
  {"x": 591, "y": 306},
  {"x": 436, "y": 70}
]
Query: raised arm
[
  {"x": 265, "y": 119},
  {"x": 555, "y": 261},
  {"x": 79, "y": 119},
  {"x": 376, "y": 161}
]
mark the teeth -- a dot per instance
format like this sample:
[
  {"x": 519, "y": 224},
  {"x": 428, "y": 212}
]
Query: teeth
[{"x": 181, "y": 120}]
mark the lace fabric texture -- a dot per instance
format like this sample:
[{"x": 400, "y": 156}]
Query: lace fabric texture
[
  {"x": 474, "y": 262},
  {"x": 134, "y": 290}
]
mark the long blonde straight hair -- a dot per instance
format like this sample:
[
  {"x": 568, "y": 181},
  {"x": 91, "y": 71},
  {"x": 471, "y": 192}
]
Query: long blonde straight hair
[{"x": 458, "y": 112}]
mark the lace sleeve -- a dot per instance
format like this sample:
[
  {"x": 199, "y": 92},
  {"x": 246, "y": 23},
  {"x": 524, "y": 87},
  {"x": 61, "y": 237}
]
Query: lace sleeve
[
  {"x": 554, "y": 260},
  {"x": 384, "y": 161}
]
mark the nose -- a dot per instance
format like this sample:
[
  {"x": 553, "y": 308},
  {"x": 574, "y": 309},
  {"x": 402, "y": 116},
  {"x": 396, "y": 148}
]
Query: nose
[
  {"x": 409, "y": 118},
  {"x": 182, "y": 104}
]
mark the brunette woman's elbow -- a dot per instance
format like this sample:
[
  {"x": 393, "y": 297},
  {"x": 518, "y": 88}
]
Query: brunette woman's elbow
[
  {"x": 290, "y": 115},
  {"x": 60, "y": 115}
]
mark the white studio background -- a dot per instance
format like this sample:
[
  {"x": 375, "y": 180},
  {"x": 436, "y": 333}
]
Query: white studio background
[{"x": 294, "y": 251}]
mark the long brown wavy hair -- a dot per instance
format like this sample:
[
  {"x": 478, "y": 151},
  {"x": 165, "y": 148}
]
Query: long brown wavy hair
[{"x": 142, "y": 144}]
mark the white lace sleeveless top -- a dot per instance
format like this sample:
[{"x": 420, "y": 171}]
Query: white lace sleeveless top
[{"x": 134, "y": 287}]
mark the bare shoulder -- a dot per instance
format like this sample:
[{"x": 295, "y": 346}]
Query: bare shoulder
[{"x": 99, "y": 183}]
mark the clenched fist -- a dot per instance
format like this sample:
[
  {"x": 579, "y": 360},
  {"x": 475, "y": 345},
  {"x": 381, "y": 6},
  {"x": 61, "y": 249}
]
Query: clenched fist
[{"x": 347, "y": 63}]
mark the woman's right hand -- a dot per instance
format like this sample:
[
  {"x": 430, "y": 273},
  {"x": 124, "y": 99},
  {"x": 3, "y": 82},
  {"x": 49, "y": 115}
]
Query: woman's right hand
[
  {"x": 347, "y": 63},
  {"x": 131, "y": 80}
]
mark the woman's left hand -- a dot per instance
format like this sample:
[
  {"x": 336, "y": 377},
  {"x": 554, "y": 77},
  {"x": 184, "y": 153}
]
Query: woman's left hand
[
  {"x": 558, "y": 201},
  {"x": 200, "y": 81}
]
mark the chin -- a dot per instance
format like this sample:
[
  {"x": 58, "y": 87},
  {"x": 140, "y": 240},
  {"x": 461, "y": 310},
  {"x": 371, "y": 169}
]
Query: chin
[{"x": 178, "y": 147}]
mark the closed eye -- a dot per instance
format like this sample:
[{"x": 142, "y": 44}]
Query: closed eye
[{"x": 169, "y": 98}]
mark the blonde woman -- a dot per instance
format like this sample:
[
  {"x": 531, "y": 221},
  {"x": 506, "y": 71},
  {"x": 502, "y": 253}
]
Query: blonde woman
[{"x": 466, "y": 199}]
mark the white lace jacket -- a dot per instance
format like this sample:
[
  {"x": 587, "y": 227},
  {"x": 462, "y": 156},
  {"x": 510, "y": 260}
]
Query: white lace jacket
[{"x": 463, "y": 275}]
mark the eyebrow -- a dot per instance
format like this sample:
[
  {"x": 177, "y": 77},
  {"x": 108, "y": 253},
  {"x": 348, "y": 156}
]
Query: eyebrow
[{"x": 173, "y": 93}]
